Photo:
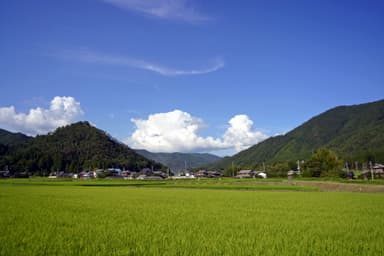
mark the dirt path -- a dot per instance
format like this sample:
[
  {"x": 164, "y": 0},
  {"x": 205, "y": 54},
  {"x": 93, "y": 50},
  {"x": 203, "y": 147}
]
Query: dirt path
[{"x": 342, "y": 187}]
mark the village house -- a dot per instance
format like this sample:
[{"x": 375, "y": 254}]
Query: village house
[
  {"x": 129, "y": 175},
  {"x": 201, "y": 174},
  {"x": 207, "y": 174},
  {"x": 149, "y": 177},
  {"x": 245, "y": 174},
  {"x": 377, "y": 171},
  {"x": 149, "y": 174},
  {"x": 251, "y": 174},
  {"x": 184, "y": 176},
  {"x": 214, "y": 174}
]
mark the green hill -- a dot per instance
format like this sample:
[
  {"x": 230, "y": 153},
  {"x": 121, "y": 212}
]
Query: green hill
[
  {"x": 73, "y": 148},
  {"x": 178, "y": 161},
  {"x": 10, "y": 138},
  {"x": 354, "y": 132}
]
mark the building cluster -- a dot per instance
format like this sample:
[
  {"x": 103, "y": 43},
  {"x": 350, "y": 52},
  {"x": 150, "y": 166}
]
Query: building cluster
[
  {"x": 374, "y": 171},
  {"x": 366, "y": 171},
  {"x": 114, "y": 173}
]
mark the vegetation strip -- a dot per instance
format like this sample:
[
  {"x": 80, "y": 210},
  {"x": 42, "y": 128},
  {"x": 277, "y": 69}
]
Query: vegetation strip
[{"x": 170, "y": 186}]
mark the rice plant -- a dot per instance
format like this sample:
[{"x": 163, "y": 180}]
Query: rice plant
[{"x": 126, "y": 220}]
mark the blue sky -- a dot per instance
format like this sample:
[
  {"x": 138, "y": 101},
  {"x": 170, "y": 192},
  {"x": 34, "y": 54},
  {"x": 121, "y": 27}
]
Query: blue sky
[{"x": 178, "y": 75}]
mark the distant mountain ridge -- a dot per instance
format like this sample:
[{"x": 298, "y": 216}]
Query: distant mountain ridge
[
  {"x": 178, "y": 161},
  {"x": 354, "y": 132},
  {"x": 10, "y": 138},
  {"x": 72, "y": 148}
]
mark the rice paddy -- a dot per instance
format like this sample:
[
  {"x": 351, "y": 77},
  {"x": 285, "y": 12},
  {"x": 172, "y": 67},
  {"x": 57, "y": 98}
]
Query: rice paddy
[{"x": 67, "y": 218}]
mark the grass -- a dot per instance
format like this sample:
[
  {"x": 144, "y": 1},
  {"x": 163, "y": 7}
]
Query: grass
[
  {"x": 66, "y": 218},
  {"x": 376, "y": 181},
  {"x": 220, "y": 184}
]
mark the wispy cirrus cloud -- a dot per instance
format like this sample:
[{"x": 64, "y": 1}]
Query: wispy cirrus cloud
[
  {"x": 99, "y": 58},
  {"x": 180, "y": 10}
]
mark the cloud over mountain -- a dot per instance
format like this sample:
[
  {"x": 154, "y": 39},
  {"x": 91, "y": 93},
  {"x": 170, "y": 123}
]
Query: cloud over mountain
[
  {"x": 240, "y": 134},
  {"x": 178, "y": 131},
  {"x": 62, "y": 111}
]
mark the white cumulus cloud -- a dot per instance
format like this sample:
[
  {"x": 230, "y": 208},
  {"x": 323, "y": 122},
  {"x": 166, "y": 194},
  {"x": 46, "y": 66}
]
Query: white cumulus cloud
[
  {"x": 178, "y": 131},
  {"x": 62, "y": 111},
  {"x": 240, "y": 134},
  {"x": 170, "y": 132},
  {"x": 181, "y": 10}
]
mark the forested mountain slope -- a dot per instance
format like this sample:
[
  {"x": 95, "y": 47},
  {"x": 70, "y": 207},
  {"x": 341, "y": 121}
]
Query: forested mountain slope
[
  {"x": 73, "y": 148},
  {"x": 354, "y": 132}
]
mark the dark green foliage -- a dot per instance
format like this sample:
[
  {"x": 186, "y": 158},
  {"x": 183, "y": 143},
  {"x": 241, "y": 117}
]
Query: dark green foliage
[
  {"x": 177, "y": 161},
  {"x": 279, "y": 169},
  {"x": 73, "y": 148},
  {"x": 11, "y": 139},
  {"x": 324, "y": 163},
  {"x": 3, "y": 149},
  {"x": 355, "y": 133}
]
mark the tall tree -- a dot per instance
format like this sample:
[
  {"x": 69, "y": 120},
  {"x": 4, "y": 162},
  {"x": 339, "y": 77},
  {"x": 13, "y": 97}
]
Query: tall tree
[{"x": 324, "y": 163}]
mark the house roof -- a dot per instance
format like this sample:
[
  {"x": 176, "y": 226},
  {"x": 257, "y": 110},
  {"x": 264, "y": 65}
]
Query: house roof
[{"x": 245, "y": 171}]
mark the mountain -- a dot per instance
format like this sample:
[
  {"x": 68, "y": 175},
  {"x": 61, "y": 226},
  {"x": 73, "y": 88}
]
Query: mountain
[
  {"x": 11, "y": 139},
  {"x": 354, "y": 132},
  {"x": 177, "y": 161},
  {"x": 73, "y": 148}
]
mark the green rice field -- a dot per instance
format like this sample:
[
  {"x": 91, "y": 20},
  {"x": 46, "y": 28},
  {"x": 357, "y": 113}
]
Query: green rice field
[{"x": 117, "y": 218}]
